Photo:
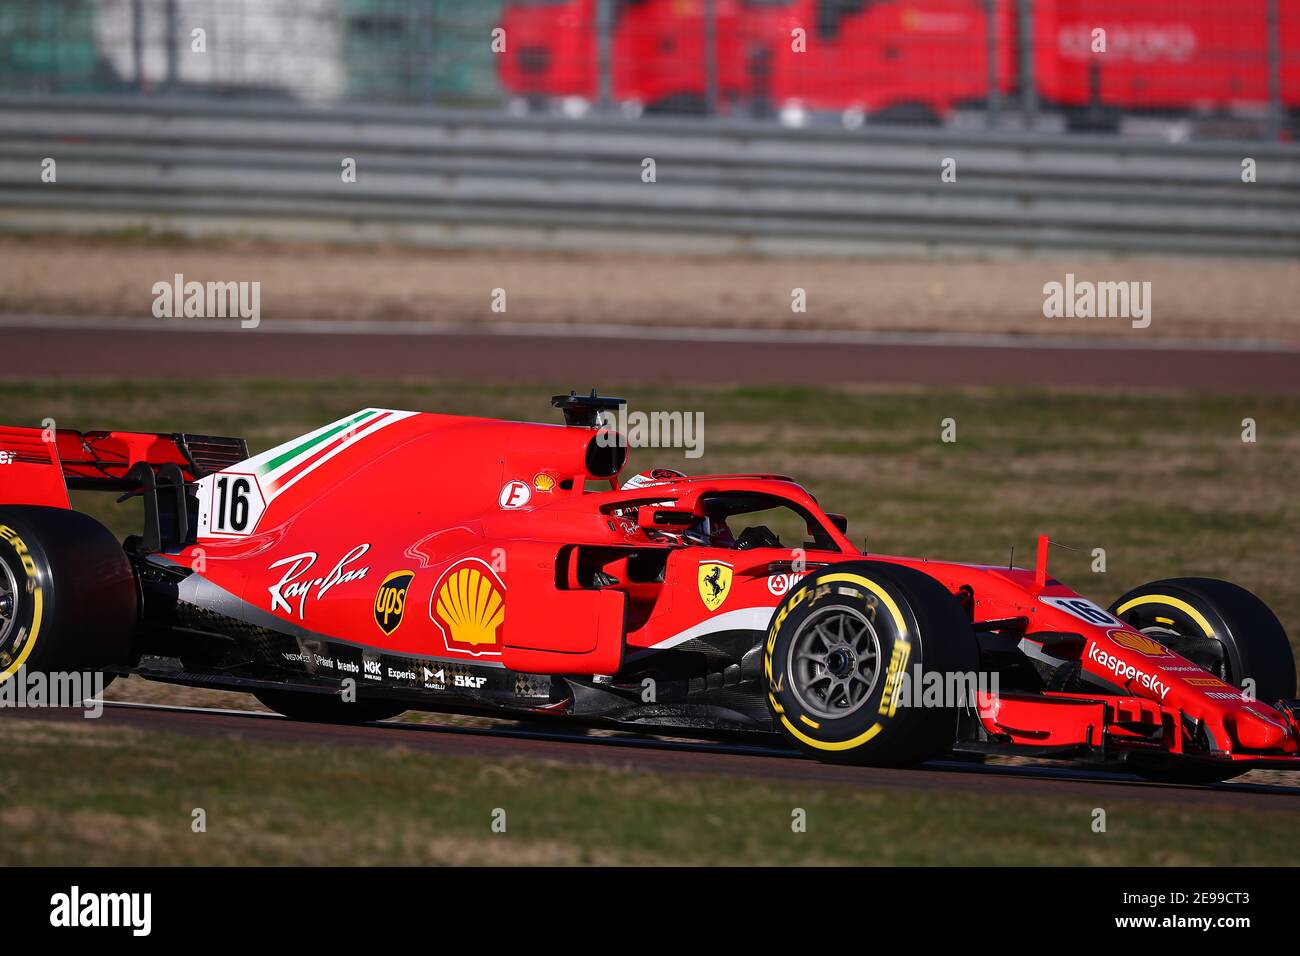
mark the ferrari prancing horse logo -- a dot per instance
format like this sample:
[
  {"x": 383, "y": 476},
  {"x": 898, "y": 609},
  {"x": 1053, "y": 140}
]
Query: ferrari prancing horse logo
[{"x": 715, "y": 583}]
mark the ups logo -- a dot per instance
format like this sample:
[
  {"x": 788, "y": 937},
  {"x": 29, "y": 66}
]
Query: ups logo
[{"x": 390, "y": 601}]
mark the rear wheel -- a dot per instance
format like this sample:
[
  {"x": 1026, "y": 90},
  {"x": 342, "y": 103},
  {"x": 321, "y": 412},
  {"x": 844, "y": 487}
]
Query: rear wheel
[
  {"x": 836, "y": 655},
  {"x": 327, "y": 708},
  {"x": 68, "y": 595}
]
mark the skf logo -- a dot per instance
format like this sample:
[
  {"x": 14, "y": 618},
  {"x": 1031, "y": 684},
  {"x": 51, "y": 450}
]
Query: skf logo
[
  {"x": 715, "y": 583},
  {"x": 1137, "y": 642},
  {"x": 390, "y": 600},
  {"x": 469, "y": 607}
]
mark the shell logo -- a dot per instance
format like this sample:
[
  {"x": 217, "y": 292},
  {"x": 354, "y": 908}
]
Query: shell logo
[
  {"x": 1137, "y": 642},
  {"x": 469, "y": 607},
  {"x": 543, "y": 482}
]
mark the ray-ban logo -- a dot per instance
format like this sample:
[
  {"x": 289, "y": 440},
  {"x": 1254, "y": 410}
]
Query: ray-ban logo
[{"x": 179, "y": 299}]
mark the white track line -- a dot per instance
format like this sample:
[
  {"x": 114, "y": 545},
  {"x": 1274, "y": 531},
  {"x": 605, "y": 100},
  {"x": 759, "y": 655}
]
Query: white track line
[
  {"x": 183, "y": 709},
  {"x": 1100, "y": 775},
  {"x": 644, "y": 740},
  {"x": 991, "y": 340}
]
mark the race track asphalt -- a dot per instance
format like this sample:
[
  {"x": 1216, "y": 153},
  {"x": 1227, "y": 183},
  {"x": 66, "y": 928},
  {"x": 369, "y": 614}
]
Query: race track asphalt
[
  {"x": 77, "y": 348},
  {"x": 614, "y": 356},
  {"x": 669, "y": 757}
]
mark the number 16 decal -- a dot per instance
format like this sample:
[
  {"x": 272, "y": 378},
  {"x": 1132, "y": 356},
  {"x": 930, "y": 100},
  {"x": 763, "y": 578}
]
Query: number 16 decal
[
  {"x": 235, "y": 505},
  {"x": 1083, "y": 609}
]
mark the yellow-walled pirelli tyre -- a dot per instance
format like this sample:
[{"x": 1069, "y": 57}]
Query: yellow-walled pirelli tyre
[
  {"x": 1225, "y": 629},
  {"x": 1218, "y": 625},
  {"x": 68, "y": 596},
  {"x": 837, "y": 649}
]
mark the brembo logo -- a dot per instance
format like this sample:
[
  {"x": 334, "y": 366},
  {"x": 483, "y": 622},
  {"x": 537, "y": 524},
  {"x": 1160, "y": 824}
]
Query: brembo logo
[
  {"x": 1126, "y": 671},
  {"x": 294, "y": 585}
]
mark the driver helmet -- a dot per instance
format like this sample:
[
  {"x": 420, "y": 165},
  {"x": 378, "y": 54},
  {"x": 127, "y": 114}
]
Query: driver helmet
[
  {"x": 645, "y": 479},
  {"x": 655, "y": 476}
]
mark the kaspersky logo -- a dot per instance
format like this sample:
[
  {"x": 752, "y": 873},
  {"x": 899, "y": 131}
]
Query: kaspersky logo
[
  {"x": 1126, "y": 671},
  {"x": 390, "y": 600}
]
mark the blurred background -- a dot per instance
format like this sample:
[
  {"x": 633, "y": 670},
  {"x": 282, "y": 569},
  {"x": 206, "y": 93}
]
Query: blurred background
[
  {"x": 806, "y": 127},
  {"x": 1200, "y": 67}
]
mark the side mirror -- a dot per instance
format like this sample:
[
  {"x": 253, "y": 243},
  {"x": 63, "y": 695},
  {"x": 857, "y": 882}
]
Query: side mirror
[
  {"x": 840, "y": 522},
  {"x": 664, "y": 519}
]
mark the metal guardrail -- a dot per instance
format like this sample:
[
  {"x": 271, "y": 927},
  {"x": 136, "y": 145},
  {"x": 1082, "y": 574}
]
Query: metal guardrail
[{"x": 465, "y": 177}]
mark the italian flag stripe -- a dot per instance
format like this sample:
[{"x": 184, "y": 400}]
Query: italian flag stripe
[
  {"x": 311, "y": 443},
  {"x": 305, "y": 464}
]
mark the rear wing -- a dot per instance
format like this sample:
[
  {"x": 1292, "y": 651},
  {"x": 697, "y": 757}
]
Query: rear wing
[{"x": 39, "y": 466}]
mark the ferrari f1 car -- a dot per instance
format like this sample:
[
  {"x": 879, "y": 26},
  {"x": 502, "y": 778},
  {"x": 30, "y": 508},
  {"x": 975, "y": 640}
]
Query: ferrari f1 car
[{"x": 395, "y": 560}]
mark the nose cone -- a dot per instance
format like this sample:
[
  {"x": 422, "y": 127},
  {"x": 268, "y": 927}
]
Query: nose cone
[{"x": 1255, "y": 732}]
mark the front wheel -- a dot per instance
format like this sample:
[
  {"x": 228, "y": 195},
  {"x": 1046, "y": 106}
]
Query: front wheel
[
  {"x": 844, "y": 646},
  {"x": 1218, "y": 625},
  {"x": 1223, "y": 628}
]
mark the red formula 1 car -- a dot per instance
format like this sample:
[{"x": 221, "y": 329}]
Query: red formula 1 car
[{"x": 396, "y": 560}]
